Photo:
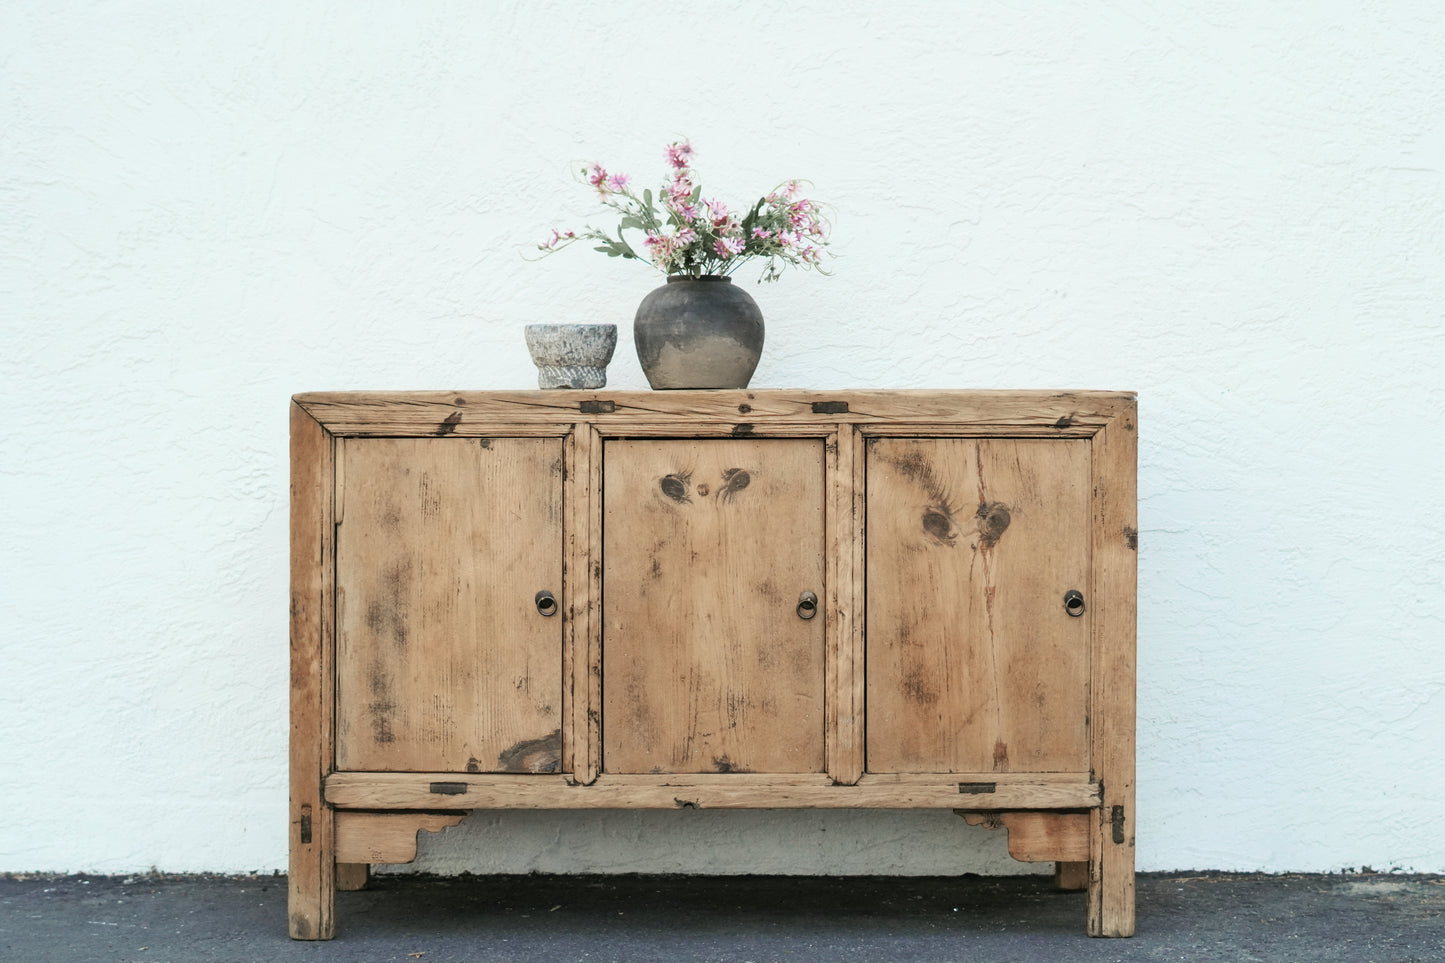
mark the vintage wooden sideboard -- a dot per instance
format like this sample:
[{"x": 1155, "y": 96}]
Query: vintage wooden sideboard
[{"x": 749, "y": 599}]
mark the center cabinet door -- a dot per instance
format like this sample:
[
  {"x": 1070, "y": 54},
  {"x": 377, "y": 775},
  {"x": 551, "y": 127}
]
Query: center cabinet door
[
  {"x": 709, "y": 545},
  {"x": 446, "y": 660}
]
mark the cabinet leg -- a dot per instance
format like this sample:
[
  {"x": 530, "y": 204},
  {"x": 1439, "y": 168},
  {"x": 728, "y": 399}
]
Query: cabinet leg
[
  {"x": 352, "y": 876},
  {"x": 311, "y": 882},
  {"x": 1071, "y": 875},
  {"x": 1111, "y": 872}
]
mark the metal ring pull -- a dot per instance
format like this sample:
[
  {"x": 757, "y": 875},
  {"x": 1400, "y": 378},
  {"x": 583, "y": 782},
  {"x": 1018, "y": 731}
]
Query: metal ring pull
[
  {"x": 546, "y": 604},
  {"x": 1074, "y": 602},
  {"x": 807, "y": 605}
]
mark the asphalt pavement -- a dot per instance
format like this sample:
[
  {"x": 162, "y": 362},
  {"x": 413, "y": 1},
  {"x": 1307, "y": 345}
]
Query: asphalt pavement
[{"x": 1369, "y": 918}]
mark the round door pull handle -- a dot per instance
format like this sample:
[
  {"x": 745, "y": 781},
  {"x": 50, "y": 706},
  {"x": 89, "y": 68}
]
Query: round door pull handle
[
  {"x": 1074, "y": 602},
  {"x": 546, "y": 603},
  {"x": 807, "y": 605}
]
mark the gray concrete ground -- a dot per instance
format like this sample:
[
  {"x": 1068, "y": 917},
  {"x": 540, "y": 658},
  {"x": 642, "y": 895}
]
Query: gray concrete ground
[{"x": 410, "y": 919}]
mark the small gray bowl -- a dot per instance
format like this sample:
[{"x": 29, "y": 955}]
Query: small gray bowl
[{"x": 571, "y": 355}]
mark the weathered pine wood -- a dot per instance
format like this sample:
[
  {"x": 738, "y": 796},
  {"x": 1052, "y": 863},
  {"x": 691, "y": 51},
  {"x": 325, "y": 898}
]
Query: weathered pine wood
[
  {"x": 311, "y": 877},
  {"x": 594, "y": 508},
  {"x": 386, "y": 837},
  {"x": 972, "y": 778},
  {"x": 973, "y": 661},
  {"x": 351, "y": 877},
  {"x": 576, "y": 600},
  {"x": 436, "y": 413},
  {"x": 1035, "y": 837},
  {"x": 415, "y": 791},
  {"x": 1072, "y": 875},
  {"x": 708, "y": 546},
  {"x": 1115, "y": 540},
  {"x": 445, "y": 662},
  {"x": 939, "y": 530},
  {"x": 845, "y": 685}
]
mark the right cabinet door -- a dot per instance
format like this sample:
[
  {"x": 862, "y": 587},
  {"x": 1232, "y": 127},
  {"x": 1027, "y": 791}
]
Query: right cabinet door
[{"x": 974, "y": 661}]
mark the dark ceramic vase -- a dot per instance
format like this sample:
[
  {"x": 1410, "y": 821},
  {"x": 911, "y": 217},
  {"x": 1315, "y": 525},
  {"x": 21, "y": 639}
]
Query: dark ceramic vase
[{"x": 698, "y": 332}]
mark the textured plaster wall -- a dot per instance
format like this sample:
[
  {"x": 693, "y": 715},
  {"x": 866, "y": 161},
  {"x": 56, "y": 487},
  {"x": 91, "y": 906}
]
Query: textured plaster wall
[{"x": 1235, "y": 208}]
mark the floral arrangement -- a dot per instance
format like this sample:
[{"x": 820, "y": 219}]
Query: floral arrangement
[{"x": 693, "y": 235}]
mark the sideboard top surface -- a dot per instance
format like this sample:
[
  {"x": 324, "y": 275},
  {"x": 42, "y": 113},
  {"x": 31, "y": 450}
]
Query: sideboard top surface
[{"x": 448, "y": 412}]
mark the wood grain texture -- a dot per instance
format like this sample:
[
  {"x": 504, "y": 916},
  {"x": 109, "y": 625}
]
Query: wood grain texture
[
  {"x": 973, "y": 662},
  {"x": 579, "y": 600},
  {"x": 351, "y": 877},
  {"x": 386, "y": 837},
  {"x": 311, "y": 878},
  {"x": 465, "y": 413},
  {"x": 845, "y": 595},
  {"x": 708, "y": 545},
  {"x": 1115, "y": 550},
  {"x": 1036, "y": 837},
  {"x": 1072, "y": 875},
  {"x": 445, "y": 662},
  {"x": 939, "y": 529},
  {"x": 594, "y": 609},
  {"x": 382, "y": 790}
]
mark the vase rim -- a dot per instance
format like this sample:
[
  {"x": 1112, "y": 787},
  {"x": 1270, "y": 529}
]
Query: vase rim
[{"x": 699, "y": 277}]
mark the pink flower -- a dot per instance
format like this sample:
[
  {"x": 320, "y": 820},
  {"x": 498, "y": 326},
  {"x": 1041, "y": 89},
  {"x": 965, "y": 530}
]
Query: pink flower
[
  {"x": 596, "y": 176},
  {"x": 618, "y": 182},
  {"x": 557, "y": 238},
  {"x": 728, "y": 246},
  {"x": 789, "y": 238},
  {"x": 717, "y": 212},
  {"x": 685, "y": 237},
  {"x": 679, "y": 154},
  {"x": 761, "y": 234},
  {"x": 680, "y": 189}
]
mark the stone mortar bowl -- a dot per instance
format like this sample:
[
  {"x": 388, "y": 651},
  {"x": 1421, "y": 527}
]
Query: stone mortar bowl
[{"x": 571, "y": 355}]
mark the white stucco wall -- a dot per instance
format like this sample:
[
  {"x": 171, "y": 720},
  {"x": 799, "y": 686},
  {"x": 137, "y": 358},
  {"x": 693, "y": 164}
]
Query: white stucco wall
[{"x": 1235, "y": 208}]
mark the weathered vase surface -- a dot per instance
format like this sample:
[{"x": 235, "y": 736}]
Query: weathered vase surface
[{"x": 698, "y": 332}]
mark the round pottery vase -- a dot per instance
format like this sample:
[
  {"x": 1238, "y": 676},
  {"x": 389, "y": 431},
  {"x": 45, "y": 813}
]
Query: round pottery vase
[
  {"x": 571, "y": 355},
  {"x": 698, "y": 332}
]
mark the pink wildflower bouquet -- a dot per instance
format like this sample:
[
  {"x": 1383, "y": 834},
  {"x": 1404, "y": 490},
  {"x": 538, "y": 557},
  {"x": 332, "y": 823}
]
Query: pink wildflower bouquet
[{"x": 693, "y": 235}]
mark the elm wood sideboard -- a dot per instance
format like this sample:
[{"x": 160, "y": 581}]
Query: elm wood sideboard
[{"x": 748, "y": 599}]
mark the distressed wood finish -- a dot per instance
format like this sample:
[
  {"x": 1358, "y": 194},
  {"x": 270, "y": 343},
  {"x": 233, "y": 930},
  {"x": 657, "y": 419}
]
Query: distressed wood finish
[
  {"x": 594, "y": 610},
  {"x": 436, "y": 413},
  {"x": 1115, "y": 538},
  {"x": 1035, "y": 837},
  {"x": 351, "y": 877},
  {"x": 845, "y": 646},
  {"x": 444, "y": 660},
  {"x": 363, "y": 838},
  {"x": 939, "y": 530},
  {"x": 1071, "y": 875},
  {"x": 311, "y": 877},
  {"x": 973, "y": 662},
  {"x": 355, "y": 790},
  {"x": 707, "y": 547}
]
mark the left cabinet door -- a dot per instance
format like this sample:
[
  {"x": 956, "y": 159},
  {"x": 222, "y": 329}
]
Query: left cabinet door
[{"x": 446, "y": 661}]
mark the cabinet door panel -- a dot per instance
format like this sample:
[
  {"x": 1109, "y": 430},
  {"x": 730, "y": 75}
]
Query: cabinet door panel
[
  {"x": 445, "y": 663},
  {"x": 708, "y": 545},
  {"x": 973, "y": 662}
]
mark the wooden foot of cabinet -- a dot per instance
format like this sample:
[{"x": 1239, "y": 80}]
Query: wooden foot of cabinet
[
  {"x": 351, "y": 877},
  {"x": 1071, "y": 876},
  {"x": 744, "y": 599}
]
